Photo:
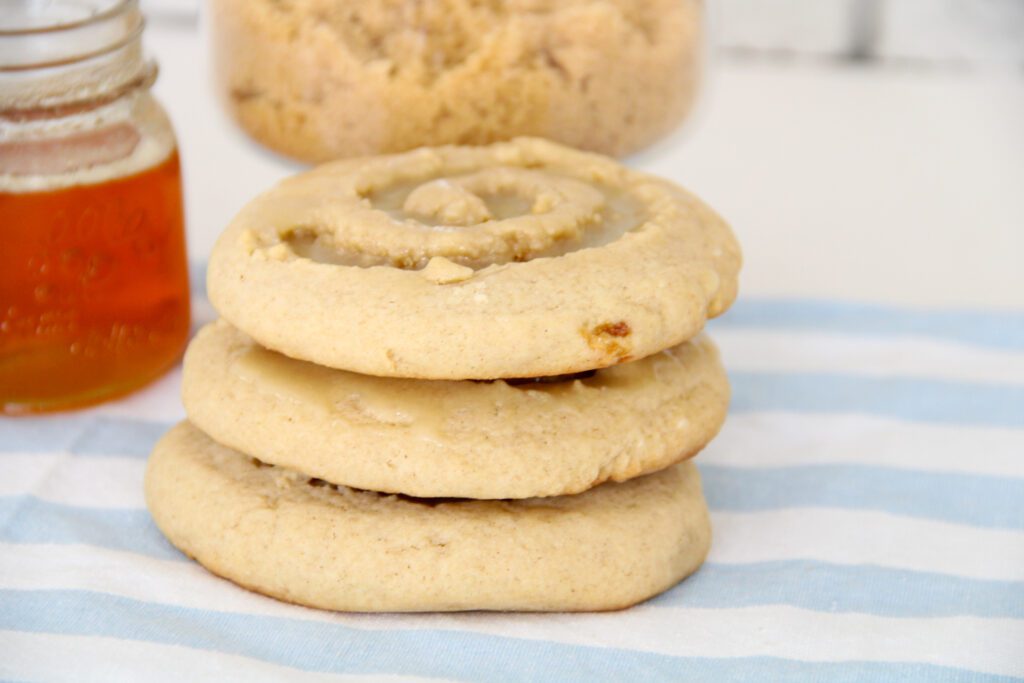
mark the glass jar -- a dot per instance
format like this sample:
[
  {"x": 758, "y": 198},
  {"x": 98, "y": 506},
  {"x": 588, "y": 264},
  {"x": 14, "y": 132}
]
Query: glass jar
[
  {"x": 321, "y": 79},
  {"x": 94, "y": 298}
]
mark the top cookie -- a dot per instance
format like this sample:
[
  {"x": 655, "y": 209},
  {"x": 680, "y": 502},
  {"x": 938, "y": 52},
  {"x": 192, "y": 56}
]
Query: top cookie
[{"x": 521, "y": 259}]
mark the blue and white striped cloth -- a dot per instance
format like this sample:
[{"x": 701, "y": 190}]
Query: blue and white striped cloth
[{"x": 867, "y": 497}]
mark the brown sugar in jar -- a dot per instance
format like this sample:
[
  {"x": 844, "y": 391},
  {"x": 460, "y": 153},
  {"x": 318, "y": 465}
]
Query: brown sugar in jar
[
  {"x": 94, "y": 296},
  {"x": 320, "y": 79}
]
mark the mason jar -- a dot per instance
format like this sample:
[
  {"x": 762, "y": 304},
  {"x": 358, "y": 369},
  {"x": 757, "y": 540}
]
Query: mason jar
[
  {"x": 94, "y": 297},
  {"x": 322, "y": 79}
]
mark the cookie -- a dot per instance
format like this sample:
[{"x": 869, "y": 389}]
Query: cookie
[
  {"x": 521, "y": 259},
  {"x": 455, "y": 438},
  {"x": 282, "y": 534},
  {"x": 319, "y": 79}
]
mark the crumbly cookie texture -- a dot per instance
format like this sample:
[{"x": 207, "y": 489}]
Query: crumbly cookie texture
[
  {"x": 280, "y": 533},
  {"x": 455, "y": 438},
  {"x": 321, "y": 79},
  {"x": 519, "y": 259}
]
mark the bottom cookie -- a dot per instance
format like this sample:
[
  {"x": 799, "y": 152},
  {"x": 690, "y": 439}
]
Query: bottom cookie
[{"x": 301, "y": 540}]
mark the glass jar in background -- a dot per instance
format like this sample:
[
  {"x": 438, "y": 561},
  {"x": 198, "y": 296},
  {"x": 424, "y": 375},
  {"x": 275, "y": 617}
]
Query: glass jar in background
[
  {"x": 94, "y": 298},
  {"x": 322, "y": 79}
]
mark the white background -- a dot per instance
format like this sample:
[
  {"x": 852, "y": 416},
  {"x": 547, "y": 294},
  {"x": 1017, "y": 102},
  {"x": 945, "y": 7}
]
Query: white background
[{"x": 897, "y": 179}]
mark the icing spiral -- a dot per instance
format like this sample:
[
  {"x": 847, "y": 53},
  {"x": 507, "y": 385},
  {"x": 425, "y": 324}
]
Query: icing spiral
[{"x": 467, "y": 206}]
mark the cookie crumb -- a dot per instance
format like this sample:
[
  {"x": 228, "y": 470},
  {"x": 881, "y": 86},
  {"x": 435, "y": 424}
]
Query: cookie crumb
[
  {"x": 278, "y": 252},
  {"x": 441, "y": 271}
]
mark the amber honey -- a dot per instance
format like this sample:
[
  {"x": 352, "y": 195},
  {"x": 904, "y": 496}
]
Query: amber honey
[{"x": 94, "y": 296}]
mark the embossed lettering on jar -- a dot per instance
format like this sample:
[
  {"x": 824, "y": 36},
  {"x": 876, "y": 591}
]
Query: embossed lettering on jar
[{"x": 94, "y": 297}]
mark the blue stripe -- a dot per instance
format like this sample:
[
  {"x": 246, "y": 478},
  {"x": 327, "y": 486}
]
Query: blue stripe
[
  {"x": 907, "y": 398},
  {"x": 993, "y": 328},
  {"x": 976, "y": 500},
  {"x": 81, "y": 434},
  {"x": 818, "y": 586},
  {"x": 462, "y": 655},
  {"x": 27, "y": 519},
  {"x": 828, "y": 587},
  {"x": 913, "y": 399}
]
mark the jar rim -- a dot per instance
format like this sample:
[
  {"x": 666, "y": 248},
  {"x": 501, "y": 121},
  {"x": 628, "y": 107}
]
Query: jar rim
[
  {"x": 118, "y": 7},
  {"x": 45, "y": 45}
]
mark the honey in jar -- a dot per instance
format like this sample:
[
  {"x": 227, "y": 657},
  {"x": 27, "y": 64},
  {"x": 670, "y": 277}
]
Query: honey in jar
[{"x": 94, "y": 298}]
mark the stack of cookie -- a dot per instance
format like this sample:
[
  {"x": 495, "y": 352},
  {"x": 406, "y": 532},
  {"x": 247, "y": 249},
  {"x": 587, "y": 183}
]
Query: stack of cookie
[{"x": 456, "y": 378}]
